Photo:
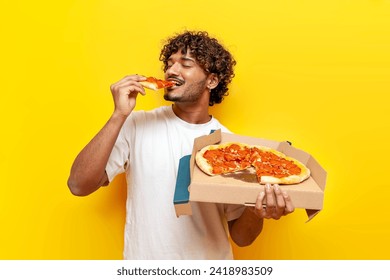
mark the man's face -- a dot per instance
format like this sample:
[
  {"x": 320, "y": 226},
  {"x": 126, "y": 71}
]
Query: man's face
[{"x": 190, "y": 78}]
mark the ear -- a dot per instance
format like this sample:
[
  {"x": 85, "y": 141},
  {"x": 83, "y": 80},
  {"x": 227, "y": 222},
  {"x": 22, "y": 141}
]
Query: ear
[{"x": 212, "y": 81}]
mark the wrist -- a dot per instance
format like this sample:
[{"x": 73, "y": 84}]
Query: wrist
[
  {"x": 118, "y": 116},
  {"x": 254, "y": 214}
]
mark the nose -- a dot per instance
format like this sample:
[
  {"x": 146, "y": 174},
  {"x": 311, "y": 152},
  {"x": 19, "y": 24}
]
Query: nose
[{"x": 173, "y": 69}]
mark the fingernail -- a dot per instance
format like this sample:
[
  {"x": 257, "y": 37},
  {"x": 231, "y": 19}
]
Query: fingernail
[
  {"x": 268, "y": 186},
  {"x": 261, "y": 194}
]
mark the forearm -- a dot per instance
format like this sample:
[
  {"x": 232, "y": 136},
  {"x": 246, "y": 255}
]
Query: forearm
[
  {"x": 245, "y": 229},
  {"x": 88, "y": 170}
]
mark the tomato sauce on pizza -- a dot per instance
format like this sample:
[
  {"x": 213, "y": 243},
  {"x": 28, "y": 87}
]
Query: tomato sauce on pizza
[
  {"x": 155, "y": 84},
  {"x": 228, "y": 159}
]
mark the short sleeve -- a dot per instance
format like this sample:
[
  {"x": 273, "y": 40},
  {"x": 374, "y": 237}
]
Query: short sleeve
[
  {"x": 120, "y": 154},
  {"x": 233, "y": 211}
]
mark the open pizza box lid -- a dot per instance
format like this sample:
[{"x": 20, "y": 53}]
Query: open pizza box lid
[{"x": 242, "y": 187}]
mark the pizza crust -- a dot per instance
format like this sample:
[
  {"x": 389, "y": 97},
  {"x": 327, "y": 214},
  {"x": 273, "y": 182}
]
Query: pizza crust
[
  {"x": 149, "y": 85},
  {"x": 203, "y": 164}
]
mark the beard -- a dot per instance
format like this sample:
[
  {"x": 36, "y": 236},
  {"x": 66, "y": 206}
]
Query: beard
[{"x": 187, "y": 93}]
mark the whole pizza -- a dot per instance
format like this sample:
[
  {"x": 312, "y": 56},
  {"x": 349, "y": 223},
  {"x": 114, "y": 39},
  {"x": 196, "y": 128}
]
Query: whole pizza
[{"x": 271, "y": 166}]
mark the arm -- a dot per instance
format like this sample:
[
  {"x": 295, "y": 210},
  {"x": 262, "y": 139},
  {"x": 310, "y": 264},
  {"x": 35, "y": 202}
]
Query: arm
[
  {"x": 249, "y": 225},
  {"x": 88, "y": 170}
]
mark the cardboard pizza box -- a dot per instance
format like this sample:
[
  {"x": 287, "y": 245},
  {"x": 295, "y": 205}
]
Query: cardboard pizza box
[{"x": 243, "y": 187}]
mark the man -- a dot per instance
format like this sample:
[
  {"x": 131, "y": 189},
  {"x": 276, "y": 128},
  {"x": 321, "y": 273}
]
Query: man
[{"x": 148, "y": 147}]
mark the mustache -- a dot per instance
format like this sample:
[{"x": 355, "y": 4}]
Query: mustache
[{"x": 175, "y": 79}]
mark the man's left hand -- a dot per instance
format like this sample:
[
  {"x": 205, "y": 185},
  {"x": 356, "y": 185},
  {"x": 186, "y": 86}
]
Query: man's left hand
[{"x": 273, "y": 203}]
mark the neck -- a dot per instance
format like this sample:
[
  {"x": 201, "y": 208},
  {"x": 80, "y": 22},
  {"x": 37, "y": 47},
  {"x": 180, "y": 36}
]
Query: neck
[{"x": 192, "y": 114}]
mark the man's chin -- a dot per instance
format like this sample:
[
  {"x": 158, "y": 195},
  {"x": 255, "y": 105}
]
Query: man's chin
[{"x": 170, "y": 97}]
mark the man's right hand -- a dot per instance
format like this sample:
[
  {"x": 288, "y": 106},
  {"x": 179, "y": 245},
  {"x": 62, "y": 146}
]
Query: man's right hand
[
  {"x": 125, "y": 93},
  {"x": 88, "y": 170}
]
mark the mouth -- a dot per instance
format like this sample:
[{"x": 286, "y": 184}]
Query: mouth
[{"x": 177, "y": 82}]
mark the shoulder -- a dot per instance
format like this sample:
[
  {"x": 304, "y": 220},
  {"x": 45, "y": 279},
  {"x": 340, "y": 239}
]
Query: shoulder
[{"x": 218, "y": 125}]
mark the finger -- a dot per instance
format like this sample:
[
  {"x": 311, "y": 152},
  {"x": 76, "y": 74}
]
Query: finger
[
  {"x": 130, "y": 87},
  {"x": 259, "y": 209},
  {"x": 289, "y": 205},
  {"x": 280, "y": 203},
  {"x": 119, "y": 85},
  {"x": 134, "y": 77},
  {"x": 139, "y": 89},
  {"x": 129, "y": 79},
  {"x": 269, "y": 195},
  {"x": 270, "y": 201},
  {"x": 260, "y": 201},
  {"x": 134, "y": 82},
  {"x": 141, "y": 78},
  {"x": 125, "y": 80},
  {"x": 137, "y": 78}
]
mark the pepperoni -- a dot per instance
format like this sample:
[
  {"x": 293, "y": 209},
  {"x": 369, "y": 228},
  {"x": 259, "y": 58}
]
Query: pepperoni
[{"x": 217, "y": 169}]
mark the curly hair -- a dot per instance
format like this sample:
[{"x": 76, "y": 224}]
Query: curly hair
[{"x": 209, "y": 54}]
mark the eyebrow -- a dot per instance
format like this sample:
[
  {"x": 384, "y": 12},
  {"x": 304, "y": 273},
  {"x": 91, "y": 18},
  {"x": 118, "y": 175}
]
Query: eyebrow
[
  {"x": 187, "y": 58},
  {"x": 184, "y": 58}
]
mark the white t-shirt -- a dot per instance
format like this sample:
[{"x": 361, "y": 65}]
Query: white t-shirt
[{"x": 148, "y": 149}]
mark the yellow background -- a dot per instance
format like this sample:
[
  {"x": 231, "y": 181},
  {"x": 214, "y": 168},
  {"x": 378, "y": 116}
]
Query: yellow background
[{"x": 316, "y": 73}]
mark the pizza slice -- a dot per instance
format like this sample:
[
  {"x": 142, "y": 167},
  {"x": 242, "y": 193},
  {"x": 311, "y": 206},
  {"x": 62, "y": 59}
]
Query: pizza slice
[
  {"x": 155, "y": 84},
  {"x": 223, "y": 158},
  {"x": 275, "y": 167}
]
